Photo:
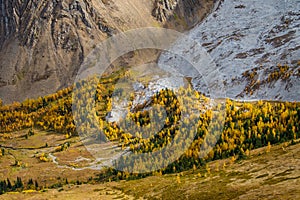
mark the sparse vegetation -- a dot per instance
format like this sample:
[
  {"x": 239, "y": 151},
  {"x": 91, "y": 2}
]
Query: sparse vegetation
[{"x": 275, "y": 73}]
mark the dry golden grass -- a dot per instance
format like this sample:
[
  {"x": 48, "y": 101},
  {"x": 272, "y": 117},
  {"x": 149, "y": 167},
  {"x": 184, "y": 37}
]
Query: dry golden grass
[{"x": 263, "y": 175}]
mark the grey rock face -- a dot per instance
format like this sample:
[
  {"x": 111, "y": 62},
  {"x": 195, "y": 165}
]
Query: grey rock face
[{"x": 247, "y": 40}]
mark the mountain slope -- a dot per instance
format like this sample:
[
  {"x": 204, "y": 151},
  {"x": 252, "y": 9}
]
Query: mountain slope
[
  {"x": 255, "y": 46},
  {"x": 43, "y": 43}
]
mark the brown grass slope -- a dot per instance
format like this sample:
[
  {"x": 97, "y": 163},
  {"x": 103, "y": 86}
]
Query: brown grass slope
[{"x": 266, "y": 174}]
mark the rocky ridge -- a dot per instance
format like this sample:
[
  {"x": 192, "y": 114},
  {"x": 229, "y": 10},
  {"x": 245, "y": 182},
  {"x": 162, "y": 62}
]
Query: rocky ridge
[
  {"x": 186, "y": 13},
  {"x": 43, "y": 43}
]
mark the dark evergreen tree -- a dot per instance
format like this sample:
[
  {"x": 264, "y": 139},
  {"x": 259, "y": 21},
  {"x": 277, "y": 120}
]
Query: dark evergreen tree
[{"x": 9, "y": 185}]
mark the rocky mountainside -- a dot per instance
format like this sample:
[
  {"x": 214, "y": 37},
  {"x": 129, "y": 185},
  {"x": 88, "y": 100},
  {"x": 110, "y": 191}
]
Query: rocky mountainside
[
  {"x": 43, "y": 43},
  {"x": 181, "y": 14},
  {"x": 255, "y": 46}
]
